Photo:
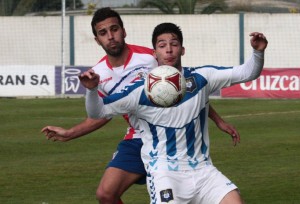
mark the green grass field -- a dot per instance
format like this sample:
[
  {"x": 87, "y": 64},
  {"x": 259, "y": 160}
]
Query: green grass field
[{"x": 265, "y": 165}]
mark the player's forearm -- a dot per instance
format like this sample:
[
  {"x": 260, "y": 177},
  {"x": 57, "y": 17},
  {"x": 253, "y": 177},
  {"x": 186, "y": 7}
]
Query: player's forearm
[
  {"x": 214, "y": 116},
  {"x": 93, "y": 104},
  {"x": 250, "y": 70},
  {"x": 87, "y": 126}
]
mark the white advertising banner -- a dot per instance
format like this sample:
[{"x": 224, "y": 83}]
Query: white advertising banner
[{"x": 27, "y": 80}]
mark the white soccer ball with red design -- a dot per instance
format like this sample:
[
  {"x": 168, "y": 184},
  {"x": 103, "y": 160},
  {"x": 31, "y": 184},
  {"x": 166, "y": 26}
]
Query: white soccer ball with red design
[{"x": 165, "y": 86}]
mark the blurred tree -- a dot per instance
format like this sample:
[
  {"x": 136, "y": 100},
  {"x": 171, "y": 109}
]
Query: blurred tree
[
  {"x": 54, "y": 5},
  {"x": 91, "y": 8},
  {"x": 166, "y": 6},
  {"x": 7, "y": 7},
  {"x": 215, "y": 5},
  {"x": 185, "y": 6},
  {"x": 21, "y": 7}
]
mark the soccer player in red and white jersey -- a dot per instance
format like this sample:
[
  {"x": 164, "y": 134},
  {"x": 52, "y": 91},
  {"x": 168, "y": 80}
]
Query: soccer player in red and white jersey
[{"x": 122, "y": 65}]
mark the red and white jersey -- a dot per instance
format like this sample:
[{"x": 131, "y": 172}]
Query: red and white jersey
[{"x": 113, "y": 79}]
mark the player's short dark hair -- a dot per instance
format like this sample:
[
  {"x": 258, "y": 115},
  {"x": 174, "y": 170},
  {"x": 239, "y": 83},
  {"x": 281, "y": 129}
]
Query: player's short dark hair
[
  {"x": 166, "y": 28},
  {"x": 102, "y": 14}
]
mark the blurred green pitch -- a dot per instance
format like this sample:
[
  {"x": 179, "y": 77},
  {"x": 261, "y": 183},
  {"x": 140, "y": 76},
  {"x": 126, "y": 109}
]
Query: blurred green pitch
[{"x": 265, "y": 165}]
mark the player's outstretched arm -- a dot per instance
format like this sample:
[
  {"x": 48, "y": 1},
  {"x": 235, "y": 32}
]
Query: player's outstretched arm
[
  {"x": 90, "y": 80},
  {"x": 93, "y": 102},
  {"x": 224, "y": 126},
  {"x": 89, "y": 125},
  {"x": 252, "y": 68}
]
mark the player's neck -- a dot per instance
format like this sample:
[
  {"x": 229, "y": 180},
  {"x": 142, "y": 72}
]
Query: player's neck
[{"x": 117, "y": 61}]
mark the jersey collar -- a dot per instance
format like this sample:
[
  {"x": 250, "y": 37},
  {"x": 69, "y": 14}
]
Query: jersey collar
[{"x": 130, "y": 53}]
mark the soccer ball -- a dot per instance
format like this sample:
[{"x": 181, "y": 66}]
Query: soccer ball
[{"x": 165, "y": 86}]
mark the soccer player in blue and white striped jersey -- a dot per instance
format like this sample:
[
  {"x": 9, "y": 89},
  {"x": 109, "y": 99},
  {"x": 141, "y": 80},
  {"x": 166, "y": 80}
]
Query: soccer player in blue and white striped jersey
[{"x": 175, "y": 148}]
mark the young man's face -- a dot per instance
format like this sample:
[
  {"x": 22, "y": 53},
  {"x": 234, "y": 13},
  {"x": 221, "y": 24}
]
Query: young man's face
[
  {"x": 110, "y": 36},
  {"x": 168, "y": 50}
]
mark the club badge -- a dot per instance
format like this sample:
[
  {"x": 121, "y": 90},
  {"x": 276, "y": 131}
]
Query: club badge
[
  {"x": 190, "y": 84},
  {"x": 166, "y": 195}
]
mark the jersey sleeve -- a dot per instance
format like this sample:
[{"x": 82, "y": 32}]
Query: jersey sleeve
[
  {"x": 219, "y": 77},
  {"x": 250, "y": 70},
  {"x": 123, "y": 102}
]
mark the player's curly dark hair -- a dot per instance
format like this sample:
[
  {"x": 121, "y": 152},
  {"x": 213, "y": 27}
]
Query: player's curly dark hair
[
  {"x": 102, "y": 14},
  {"x": 166, "y": 28}
]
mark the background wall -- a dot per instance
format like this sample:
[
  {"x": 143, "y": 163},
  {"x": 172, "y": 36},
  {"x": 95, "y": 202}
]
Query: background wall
[
  {"x": 31, "y": 50},
  {"x": 209, "y": 39}
]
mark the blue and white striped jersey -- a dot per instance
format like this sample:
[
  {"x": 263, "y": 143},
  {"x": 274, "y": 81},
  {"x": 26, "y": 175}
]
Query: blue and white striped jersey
[{"x": 175, "y": 138}]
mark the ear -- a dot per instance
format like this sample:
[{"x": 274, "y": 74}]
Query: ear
[
  {"x": 96, "y": 39},
  {"x": 182, "y": 51},
  {"x": 154, "y": 54},
  {"x": 124, "y": 33}
]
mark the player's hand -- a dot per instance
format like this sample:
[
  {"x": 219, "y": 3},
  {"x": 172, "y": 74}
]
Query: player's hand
[
  {"x": 89, "y": 79},
  {"x": 230, "y": 129},
  {"x": 258, "y": 41},
  {"x": 56, "y": 133}
]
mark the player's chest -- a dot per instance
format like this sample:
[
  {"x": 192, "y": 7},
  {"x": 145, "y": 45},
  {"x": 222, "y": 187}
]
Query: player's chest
[
  {"x": 114, "y": 80},
  {"x": 176, "y": 116}
]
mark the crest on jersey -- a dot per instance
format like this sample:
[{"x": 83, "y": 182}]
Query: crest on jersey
[
  {"x": 191, "y": 85},
  {"x": 166, "y": 195}
]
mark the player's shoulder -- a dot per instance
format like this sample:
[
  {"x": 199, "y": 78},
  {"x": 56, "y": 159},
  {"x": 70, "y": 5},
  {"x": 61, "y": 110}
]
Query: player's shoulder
[
  {"x": 140, "y": 49},
  {"x": 205, "y": 67},
  {"x": 136, "y": 86},
  {"x": 204, "y": 71},
  {"x": 102, "y": 64}
]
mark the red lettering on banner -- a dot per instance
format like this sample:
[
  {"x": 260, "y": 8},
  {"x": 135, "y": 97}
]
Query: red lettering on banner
[{"x": 272, "y": 83}]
